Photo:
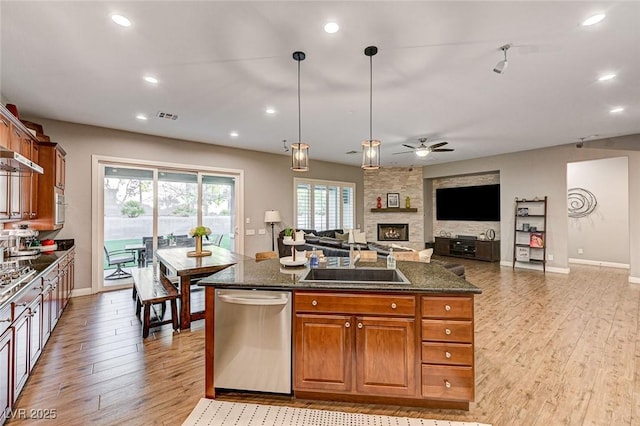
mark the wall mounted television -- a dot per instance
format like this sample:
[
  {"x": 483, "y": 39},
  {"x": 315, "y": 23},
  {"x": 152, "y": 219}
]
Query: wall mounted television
[{"x": 469, "y": 203}]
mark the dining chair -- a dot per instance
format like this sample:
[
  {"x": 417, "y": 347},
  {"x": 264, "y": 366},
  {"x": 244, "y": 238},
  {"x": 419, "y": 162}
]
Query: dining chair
[
  {"x": 118, "y": 258},
  {"x": 264, "y": 255}
]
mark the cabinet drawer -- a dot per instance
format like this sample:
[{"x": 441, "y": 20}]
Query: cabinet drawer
[
  {"x": 447, "y": 331},
  {"x": 445, "y": 382},
  {"x": 447, "y": 307},
  {"x": 447, "y": 353},
  {"x": 387, "y": 304}
]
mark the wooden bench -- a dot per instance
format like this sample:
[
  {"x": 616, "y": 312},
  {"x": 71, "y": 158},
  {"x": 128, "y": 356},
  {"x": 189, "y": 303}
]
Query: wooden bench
[{"x": 148, "y": 291}]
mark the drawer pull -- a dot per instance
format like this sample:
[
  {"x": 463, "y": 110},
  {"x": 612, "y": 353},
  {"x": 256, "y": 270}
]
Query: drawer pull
[
  {"x": 347, "y": 324},
  {"x": 21, "y": 304},
  {"x": 359, "y": 325},
  {"x": 447, "y": 384},
  {"x": 447, "y": 308},
  {"x": 447, "y": 331},
  {"x": 6, "y": 320},
  {"x": 5, "y": 123},
  {"x": 447, "y": 354},
  {"x": 314, "y": 303},
  {"x": 393, "y": 306}
]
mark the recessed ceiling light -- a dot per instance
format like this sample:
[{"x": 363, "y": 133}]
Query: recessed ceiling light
[
  {"x": 121, "y": 20},
  {"x": 233, "y": 134},
  {"x": 606, "y": 77},
  {"x": 616, "y": 110},
  {"x": 270, "y": 110},
  {"x": 150, "y": 79},
  {"x": 331, "y": 27},
  {"x": 141, "y": 117},
  {"x": 592, "y": 20}
]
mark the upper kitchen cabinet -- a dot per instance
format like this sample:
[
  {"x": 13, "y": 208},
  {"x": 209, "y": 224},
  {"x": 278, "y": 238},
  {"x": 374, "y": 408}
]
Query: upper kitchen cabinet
[
  {"x": 60, "y": 167},
  {"x": 50, "y": 199}
]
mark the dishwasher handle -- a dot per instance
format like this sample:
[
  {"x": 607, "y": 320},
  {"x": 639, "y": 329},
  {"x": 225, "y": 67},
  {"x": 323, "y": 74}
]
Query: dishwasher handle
[{"x": 238, "y": 299}]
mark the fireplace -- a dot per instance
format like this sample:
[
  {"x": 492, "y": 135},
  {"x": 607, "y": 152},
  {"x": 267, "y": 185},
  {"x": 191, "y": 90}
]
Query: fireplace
[{"x": 393, "y": 232}]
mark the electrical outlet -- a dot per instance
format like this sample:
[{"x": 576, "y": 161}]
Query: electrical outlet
[
  {"x": 248, "y": 220},
  {"x": 251, "y": 232},
  {"x": 549, "y": 257},
  {"x": 262, "y": 231},
  {"x": 580, "y": 251}
]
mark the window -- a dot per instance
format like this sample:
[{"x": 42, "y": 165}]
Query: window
[{"x": 322, "y": 205}]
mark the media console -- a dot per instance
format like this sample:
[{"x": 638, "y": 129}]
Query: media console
[{"x": 486, "y": 250}]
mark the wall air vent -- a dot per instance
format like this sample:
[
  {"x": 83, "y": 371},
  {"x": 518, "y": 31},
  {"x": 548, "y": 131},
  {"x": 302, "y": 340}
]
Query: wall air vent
[{"x": 167, "y": 115}]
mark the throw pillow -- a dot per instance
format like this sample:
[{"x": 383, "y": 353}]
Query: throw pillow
[
  {"x": 342, "y": 237},
  {"x": 398, "y": 246},
  {"x": 360, "y": 237},
  {"x": 425, "y": 255}
]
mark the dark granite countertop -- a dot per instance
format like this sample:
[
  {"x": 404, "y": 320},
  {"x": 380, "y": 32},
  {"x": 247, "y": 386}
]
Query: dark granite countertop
[
  {"x": 40, "y": 263},
  {"x": 269, "y": 274}
]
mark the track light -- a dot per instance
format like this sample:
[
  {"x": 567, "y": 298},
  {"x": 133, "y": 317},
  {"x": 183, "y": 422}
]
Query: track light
[{"x": 502, "y": 65}]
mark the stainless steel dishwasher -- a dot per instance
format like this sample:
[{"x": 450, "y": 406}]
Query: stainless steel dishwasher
[{"x": 253, "y": 340}]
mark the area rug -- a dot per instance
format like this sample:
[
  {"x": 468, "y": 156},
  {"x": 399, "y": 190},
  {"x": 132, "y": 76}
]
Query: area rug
[{"x": 221, "y": 413}]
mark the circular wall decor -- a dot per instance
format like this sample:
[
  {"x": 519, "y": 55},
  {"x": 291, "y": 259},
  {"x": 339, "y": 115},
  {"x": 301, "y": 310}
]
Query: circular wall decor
[
  {"x": 491, "y": 234},
  {"x": 581, "y": 202}
]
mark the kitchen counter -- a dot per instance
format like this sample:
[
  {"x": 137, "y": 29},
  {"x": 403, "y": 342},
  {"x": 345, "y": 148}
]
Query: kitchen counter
[
  {"x": 269, "y": 274},
  {"x": 40, "y": 263}
]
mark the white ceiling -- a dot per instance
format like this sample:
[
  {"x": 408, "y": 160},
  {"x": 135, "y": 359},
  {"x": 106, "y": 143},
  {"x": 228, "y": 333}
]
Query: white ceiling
[{"x": 220, "y": 64}]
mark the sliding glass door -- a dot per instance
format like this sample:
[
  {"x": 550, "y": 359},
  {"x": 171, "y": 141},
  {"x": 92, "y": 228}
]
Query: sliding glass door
[{"x": 146, "y": 208}]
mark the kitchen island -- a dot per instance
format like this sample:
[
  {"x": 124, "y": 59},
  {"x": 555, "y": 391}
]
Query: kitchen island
[{"x": 401, "y": 343}]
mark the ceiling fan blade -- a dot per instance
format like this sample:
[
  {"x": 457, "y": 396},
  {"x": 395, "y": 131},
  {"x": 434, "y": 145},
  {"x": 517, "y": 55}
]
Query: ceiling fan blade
[
  {"x": 438, "y": 145},
  {"x": 403, "y": 152},
  {"x": 442, "y": 150},
  {"x": 409, "y": 146}
]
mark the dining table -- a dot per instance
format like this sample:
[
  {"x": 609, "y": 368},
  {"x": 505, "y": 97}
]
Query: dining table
[{"x": 174, "y": 262}]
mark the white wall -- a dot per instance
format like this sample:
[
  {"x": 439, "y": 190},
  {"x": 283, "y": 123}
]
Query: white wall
[
  {"x": 268, "y": 179},
  {"x": 544, "y": 172},
  {"x": 608, "y": 180}
]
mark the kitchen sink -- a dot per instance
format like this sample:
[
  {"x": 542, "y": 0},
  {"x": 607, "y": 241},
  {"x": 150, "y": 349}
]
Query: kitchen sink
[{"x": 357, "y": 276}]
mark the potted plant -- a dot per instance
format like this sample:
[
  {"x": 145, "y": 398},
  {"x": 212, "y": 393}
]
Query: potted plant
[{"x": 288, "y": 234}]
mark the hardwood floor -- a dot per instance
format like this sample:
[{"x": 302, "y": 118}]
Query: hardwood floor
[{"x": 551, "y": 349}]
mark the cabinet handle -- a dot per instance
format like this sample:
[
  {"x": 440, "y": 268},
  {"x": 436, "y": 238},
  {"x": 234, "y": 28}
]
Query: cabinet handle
[
  {"x": 447, "y": 308},
  {"x": 5, "y": 123},
  {"x": 447, "y": 384},
  {"x": 21, "y": 304},
  {"x": 447, "y": 354},
  {"x": 6, "y": 320},
  {"x": 314, "y": 303},
  {"x": 359, "y": 325},
  {"x": 347, "y": 324},
  {"x": 393, "y": 306},
  {"x": 447, "y": 331}
]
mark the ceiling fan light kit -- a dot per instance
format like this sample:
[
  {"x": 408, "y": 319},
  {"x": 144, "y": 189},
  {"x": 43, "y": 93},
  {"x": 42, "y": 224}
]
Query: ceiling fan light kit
[
  {"x": 502, "y": 65},
  {"x": 371, "y": 147},
  {"x": 299, "y": 150}
]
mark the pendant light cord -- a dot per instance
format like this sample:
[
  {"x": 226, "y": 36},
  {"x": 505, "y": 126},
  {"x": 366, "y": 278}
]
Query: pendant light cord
[
  {"x": 299, "y": 119},
  {"x": 370, "y": 99}
]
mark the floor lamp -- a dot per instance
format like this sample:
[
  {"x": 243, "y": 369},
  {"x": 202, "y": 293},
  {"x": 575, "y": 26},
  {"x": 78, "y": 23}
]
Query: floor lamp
[{"x": 272, "y": 217}]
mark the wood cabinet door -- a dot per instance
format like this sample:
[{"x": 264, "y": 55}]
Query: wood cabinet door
[
  {"x": 385, "y": 356},
  {"x": 47, "y": 295},
  {"x": 60, "y": 169},
  {"x": 6, "y": 383},
  {"x": 35, "y": 341},
  {"x": 323, "y": 352},
  {"x": 21, "y": 358},
  {"x": 35, "y": 157},
  {"x": 484, "y": 250},
  {"x": 441, "y": 246},
  {"x": 5, "y": 132}
]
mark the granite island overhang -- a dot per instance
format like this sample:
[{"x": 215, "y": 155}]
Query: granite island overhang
[{"x": 410, "y": 344}]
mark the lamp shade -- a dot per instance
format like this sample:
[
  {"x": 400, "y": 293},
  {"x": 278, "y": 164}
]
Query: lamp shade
[{"x": 272, "y": 216}]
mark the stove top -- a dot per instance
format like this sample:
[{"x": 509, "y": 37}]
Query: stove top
[{"x": 12, "y": 275}]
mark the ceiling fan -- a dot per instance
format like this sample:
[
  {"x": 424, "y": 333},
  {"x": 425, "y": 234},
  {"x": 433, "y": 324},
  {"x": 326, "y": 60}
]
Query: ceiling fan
[{"x": 423, "y": 150}]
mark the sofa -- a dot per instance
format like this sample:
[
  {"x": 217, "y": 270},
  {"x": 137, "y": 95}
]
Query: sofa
[{"x": 334, "y": 243}]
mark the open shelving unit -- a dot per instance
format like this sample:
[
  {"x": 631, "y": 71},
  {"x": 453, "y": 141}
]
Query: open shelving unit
[{"x": 530, "y": 231}]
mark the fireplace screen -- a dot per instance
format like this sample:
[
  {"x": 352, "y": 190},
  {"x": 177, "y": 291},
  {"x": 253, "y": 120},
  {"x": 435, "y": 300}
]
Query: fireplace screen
[{"x": 393, "y": 232}]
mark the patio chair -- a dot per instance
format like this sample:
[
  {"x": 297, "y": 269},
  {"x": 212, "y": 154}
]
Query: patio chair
[
  {"x": 217, "y": 240},
  {"x": 118, "y": 258}
]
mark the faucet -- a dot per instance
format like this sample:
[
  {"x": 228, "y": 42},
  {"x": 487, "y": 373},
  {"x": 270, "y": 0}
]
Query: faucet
[{"x": 354, "y": 259}]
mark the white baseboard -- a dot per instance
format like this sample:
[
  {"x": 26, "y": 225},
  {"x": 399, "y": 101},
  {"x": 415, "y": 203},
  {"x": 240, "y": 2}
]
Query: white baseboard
[
  {"x": 535, "y": 267},
  {"x": 599, "y": 263},
  {"x": 81, "y": 292},
  {"x": 634, "y": 280}
]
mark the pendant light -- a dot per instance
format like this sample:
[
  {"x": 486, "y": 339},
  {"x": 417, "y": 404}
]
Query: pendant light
[
  {"x": 299, "y": 150},
  {"x": 371, "y": 147}
]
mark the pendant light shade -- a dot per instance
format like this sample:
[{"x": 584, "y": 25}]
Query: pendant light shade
[
  {"x": 299, "y": 150},
  {"x": 371, "y": 147}
]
